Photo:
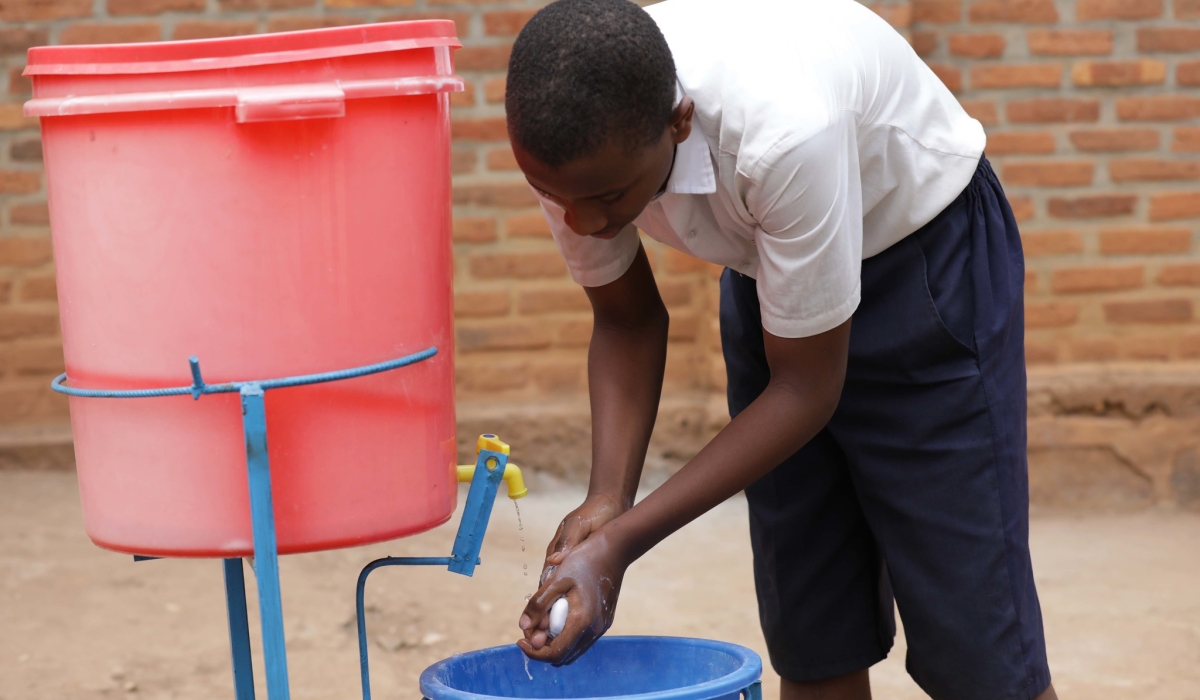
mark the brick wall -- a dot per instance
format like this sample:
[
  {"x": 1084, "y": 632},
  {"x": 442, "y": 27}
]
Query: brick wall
[{"x": 1092, "y": 107}]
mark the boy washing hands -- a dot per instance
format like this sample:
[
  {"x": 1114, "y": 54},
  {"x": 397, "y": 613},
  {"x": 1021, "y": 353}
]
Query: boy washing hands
[{"x": 871, "y": 322}]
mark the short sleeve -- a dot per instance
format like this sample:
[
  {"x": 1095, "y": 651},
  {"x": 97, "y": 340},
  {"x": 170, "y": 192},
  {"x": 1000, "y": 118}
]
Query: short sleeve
[
  {"x": 806, "y": 195},
  {"x": 593, "y": 262}
]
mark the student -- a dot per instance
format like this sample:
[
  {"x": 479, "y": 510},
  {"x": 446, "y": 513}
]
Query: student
[{"x": 871, "y": 320}]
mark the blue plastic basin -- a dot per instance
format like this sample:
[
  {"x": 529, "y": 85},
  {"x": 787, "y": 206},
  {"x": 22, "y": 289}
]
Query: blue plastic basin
[{"x": 641, "y": 668}]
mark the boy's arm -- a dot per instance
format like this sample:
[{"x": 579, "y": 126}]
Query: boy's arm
[
  {"x": 806, "y": 382},
  {"x": 625, "y": 372}
]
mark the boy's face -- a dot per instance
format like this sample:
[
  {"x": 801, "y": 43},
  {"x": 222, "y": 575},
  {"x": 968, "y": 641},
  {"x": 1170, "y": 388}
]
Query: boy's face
[{"x": 604, "y": 192}]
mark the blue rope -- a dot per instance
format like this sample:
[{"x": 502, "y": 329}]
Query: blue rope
[{"x": 198, "y": 388}]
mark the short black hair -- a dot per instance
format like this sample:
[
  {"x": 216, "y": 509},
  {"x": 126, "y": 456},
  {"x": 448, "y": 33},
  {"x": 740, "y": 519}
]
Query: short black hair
[{"x": 585, "y": 73}]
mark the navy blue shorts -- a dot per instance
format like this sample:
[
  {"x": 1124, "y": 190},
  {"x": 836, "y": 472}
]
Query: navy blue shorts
[{"x": 918, "y": 487}]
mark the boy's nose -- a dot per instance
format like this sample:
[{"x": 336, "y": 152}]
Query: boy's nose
[{"x": 586, "y": 220}]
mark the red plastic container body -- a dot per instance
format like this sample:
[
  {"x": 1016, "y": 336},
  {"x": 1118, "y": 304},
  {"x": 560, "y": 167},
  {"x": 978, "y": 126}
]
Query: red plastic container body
[{"x": 275, "y": 205}]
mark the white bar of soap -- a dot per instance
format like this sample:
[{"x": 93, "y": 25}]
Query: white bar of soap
[{"x": 558, "y": 617}]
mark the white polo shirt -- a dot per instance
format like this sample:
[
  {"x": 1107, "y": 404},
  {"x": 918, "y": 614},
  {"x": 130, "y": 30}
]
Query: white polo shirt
[{"x": 819, "y": 139}]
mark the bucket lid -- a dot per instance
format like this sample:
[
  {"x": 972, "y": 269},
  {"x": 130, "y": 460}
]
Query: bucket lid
[{"x": 239, "y": 51}]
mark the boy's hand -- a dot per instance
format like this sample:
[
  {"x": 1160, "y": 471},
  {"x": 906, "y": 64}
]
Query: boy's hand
[
  {"x": 589, "y": 575},
  {"x": 577, "y": 526}
]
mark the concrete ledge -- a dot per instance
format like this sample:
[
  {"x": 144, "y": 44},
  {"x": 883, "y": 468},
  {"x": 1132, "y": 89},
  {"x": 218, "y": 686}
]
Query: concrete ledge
[{"x": 1101, "y": 437}]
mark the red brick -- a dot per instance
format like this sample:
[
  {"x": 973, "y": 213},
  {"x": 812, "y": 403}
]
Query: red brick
[
  {"x": 19, "y": 84},
  {"x": 675, "y": 293},
  {"x": 1040, "y": 353},
  {"x": 1060, "y": 109},
  {"x": 1093, "y": 349},
  {"x": 501, "y": 159},
  {"x": 1056, "y": 242},
  {"x": 950, "y": 76},
  {"x": 1127, "y": 169},
  {"x": 110, "y": 33},
  {"x": 1070, "y": 42},
  {"x": 574, "y": 334},
  {"x": 1187, "y": 139},
  {"x": 678, "y": 263},
  {"x": 1090, "y": 10},
  {"x": 1020, "y": 142},
  {"x": 924, "y": 43},
  {"x": 1180, "y": 275},
  {"x": 18, "y": 40},
  {"x": 937, "y": 11},
  {"x": 1070, "y": 280},
  {"x": 568, "y": 376},
  {"x": 553, "y": 300},
  {"x": 1187, "y": 9},
  {"x": 344, "y": 4},
  {"x": 1168, "y": 39},
  {"x": 506, "y": 23},
  {"x": 482, "y": 57},
  {"x": 492, "y": 377},
  {"x": 1115, "y": 139},
  {"x": 19, "y": 181},
  {"x": 481, "y": 304},
  {"x": 43, "y": 10},
  {"x": 463, "y": 161},
  {"x": 153, "y": 7},
  {"x": 1023, "y": 11},
  {"x": 1188, "y": 74},
  {"x": 1119, "y": 73},
  {"x": 11, "y": 118},
  {"x": 1166, "y": 206},
  {"x": 983, "y": 110},
  {"x": 251, "y": 5},
  {"x": 1145, "y": 241},
  {"x": 474, "y": 229},
  {"x": 516, "y": 194},
  {"x": 27, "y": 323},
  {"x": 487, "y": 129},
  {"x": 212, "y": 30},
  {"x": 1049, "y": 173},
  {"x": 1149, "y": 311},
  {"x": 1030, "y": 281},
  {"x": 40, "y": 288},
  {"x": 1089, "y": 206},
  {"x": 899, "y": 15},
  {"x": 1146, "y": 348},
  {"x": 502, "y": 336},
  {"x": 493, "y": 89},
  {"x": 1016, "y": 75},
  {"x": 29, "y": 214},
  {"x": 30, "y": 150},
  {"x": 517, "y": 265},
  {"x": 1023, "y": 208},
  {"x": 1052, "y": 314},
  {"x": 25, "y": 251},
  {"x": 5, "y": 291},
  {"x": 289, "y": 23},
  {"x": 1158, "y": 108},
  {"x": 465, "y": 98},
  {"x": 987, "y": 45},
  {"x": 527, "y": 226},
  {"x": 31, "y": 359}
]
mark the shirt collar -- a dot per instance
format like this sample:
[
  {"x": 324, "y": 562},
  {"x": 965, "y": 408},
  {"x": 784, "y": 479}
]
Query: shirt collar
[{"x": 693, "y": 169}]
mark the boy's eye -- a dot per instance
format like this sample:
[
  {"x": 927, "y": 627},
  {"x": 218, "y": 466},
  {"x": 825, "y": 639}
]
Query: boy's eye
[{"x": 613, "y": 199}]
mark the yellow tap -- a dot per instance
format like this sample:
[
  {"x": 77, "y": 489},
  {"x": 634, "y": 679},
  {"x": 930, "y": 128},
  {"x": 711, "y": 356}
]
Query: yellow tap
[{"x": 512, "y": 473}]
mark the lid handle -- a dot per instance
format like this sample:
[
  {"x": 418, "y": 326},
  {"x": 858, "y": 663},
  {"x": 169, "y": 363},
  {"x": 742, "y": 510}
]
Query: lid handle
[{"x": 285, "y": 102}]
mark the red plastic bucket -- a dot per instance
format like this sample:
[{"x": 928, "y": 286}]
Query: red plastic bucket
[{"x": 275, "y": 205}]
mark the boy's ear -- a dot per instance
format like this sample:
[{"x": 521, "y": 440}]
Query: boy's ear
[{"x": 681, "y": 120}]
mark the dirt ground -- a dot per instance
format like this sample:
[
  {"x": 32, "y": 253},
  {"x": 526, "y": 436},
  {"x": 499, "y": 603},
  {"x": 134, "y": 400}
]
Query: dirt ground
[{"x": 1120, "y": 595}]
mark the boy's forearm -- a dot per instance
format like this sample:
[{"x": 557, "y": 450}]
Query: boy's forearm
[
  {"x": 779, "y": 422},
  {"x": 626, "y": 361}
]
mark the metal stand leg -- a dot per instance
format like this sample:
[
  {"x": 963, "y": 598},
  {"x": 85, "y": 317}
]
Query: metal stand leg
[
  {"x": 239, "y": 630},
  {"x": 262, "y": 516}
]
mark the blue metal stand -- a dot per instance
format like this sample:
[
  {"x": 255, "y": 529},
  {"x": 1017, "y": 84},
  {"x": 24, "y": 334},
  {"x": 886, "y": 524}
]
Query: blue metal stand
[{"x": 489, "y": 472}]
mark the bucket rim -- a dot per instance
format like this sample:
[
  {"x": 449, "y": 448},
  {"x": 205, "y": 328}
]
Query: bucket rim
[
  {"x": 240, "y": 51},
  {"x": 741, "y": 678}
]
